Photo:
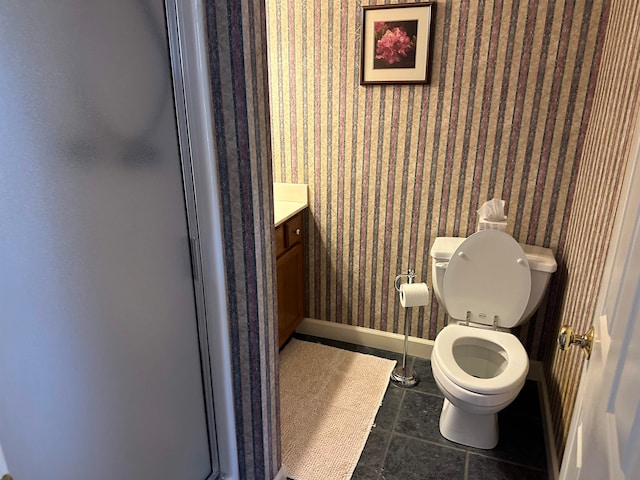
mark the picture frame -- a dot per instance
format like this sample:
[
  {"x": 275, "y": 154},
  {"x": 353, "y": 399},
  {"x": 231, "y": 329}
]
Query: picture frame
[{"x": 396, "y": 43}]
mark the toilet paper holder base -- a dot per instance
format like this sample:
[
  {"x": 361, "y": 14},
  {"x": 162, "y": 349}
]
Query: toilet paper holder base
[{"x": 402, "y": 375}]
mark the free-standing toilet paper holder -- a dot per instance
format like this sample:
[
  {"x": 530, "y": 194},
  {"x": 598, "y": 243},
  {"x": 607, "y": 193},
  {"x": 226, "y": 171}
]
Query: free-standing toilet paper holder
[{"x": 402, "y": 375}]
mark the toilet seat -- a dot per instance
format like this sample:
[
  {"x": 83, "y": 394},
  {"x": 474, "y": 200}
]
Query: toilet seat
[
  {"x": 471, "y": 401},
  {"x": 487, "y": 280},
  {"x": 506, "y": 344}
]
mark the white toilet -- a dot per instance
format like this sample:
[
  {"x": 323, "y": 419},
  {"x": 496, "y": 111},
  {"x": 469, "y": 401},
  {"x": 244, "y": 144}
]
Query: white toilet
[{"x": 487, "y": 283}]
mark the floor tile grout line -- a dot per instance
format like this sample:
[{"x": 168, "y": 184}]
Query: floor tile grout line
[
  {"x": 427, "y": 393},
  {"x": 469, "y": 452},
  {"x": 465, "y": 476},
  {"x": 511, "y": 462},
  {"x": 466, "y": 451},
  {"x": 430, "y": 442},
  {"x": 393, "y": 427}
]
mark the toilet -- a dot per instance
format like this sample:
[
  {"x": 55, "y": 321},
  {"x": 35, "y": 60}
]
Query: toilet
[{"x": 487, "y": 283}]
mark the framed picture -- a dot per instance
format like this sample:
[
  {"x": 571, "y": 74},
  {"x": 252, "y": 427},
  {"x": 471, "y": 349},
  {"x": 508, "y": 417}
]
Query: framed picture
[{"x": 395, "y": 43}]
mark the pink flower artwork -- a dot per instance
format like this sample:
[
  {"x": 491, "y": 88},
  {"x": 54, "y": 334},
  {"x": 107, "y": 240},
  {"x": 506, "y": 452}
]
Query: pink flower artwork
[
  {"x": 379, "y": 27},
  {"x": 393, "y": 46}
]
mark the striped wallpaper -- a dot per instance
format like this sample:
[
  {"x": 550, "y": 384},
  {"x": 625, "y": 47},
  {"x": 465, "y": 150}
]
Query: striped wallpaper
[
  {"x": 616, "y": 107},
  {"x": 238, "y": 64},
  {"x": 390, "y": 168}
]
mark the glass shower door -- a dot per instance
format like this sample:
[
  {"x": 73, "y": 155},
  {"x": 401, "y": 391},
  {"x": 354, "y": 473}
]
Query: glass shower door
[{"x": 101, "y": 365}]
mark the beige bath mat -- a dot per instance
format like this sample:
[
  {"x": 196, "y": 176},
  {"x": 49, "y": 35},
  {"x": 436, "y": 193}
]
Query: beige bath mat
[{"x": 329, "y": 398}]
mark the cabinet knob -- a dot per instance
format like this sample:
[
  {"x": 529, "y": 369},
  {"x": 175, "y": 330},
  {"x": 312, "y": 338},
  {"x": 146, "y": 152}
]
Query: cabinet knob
[{"x": 297, "y": 231}]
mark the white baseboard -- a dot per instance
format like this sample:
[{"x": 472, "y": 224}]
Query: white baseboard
[
  {"x": 553, "y": 464},
  {"x": 367, "y": 337},
  {"x": 282, "y": 474},
  {"x": 536, "y": 372}
]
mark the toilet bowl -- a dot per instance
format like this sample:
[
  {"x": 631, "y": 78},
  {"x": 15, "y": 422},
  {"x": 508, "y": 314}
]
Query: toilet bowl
[
  {"x": 479, "y": 372},
  {"x": 485, "y": 286}
]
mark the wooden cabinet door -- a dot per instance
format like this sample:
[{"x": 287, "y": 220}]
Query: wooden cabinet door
[{"x": 290, "y": 272}]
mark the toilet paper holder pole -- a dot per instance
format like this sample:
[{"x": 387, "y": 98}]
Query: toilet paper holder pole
[
  {"x": 410, "y": 275},
  {"x": 402, "y": 375}
]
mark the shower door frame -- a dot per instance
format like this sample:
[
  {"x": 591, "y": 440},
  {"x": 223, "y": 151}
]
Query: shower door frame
[{"x": 186, "y": 27}]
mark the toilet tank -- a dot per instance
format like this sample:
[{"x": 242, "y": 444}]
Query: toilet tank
[{"x": 542, "y": 264}]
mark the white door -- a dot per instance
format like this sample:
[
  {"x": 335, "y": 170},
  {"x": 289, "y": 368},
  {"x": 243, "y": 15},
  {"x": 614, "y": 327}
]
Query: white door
[
  {"x": 604, "y": 437},
  {"x": 100, "y": 367}
]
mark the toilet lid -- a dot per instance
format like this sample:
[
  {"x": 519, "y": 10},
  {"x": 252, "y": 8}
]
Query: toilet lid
[{"x": 488, "y": 276}]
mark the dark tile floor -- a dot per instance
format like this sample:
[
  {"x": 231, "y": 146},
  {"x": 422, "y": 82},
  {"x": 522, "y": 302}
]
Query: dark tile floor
[{"x": 406, "y": 444}]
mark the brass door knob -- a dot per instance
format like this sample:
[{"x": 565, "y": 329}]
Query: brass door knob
[
  {"x": 6, "y": 476},
  {"x": 566, "y": 338}
]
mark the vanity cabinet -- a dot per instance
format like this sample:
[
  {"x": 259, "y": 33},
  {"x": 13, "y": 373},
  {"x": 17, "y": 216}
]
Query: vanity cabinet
[{"x": 290, "y": 276}]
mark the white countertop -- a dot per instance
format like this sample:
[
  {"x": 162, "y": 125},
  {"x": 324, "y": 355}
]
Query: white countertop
[{"x": 288, "y": 200}]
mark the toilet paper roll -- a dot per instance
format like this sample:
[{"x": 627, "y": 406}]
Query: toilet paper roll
[{"x": 414, "y": 294}]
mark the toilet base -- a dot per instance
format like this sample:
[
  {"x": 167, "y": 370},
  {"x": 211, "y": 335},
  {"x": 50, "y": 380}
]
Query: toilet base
[{"x": 479, "y": 431}]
